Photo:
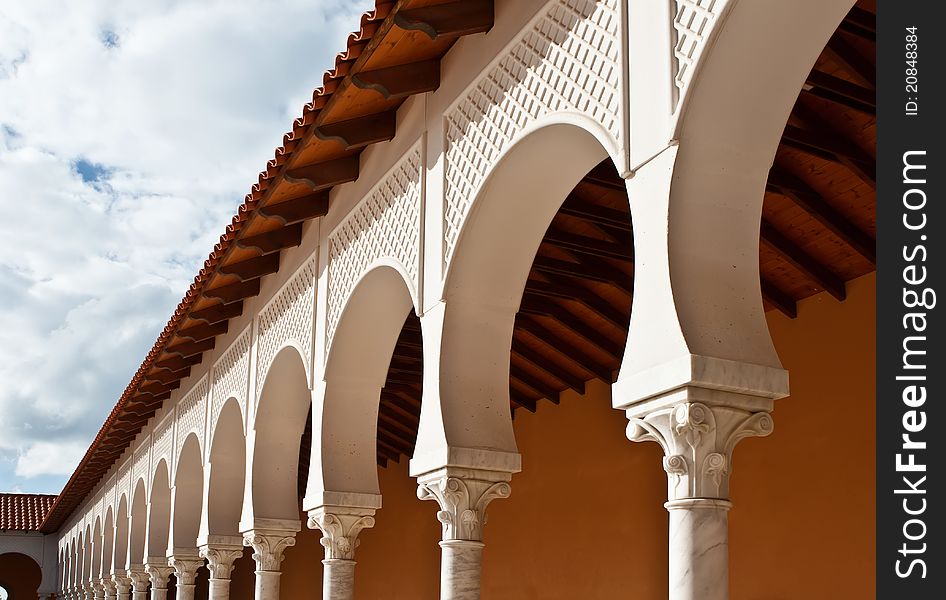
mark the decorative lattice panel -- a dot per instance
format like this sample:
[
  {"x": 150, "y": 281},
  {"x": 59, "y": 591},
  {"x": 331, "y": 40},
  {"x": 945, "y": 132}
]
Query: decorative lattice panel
[
  {"x": 124, "y": 479},
  {"x": 163, "y": 436},
  {"x": 231, "y": 375},
  {"x": 191, "y": 413},
  {"x": 287, "y": 318},
  {"x": 693, "y": 21},
  {"x": 386, "y": 224},
  {"x": 141, "y": 465},
  {"x": 568, "y": 60}
]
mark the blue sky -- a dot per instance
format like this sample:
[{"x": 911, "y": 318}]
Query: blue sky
[{"x": 129, "y": 133}]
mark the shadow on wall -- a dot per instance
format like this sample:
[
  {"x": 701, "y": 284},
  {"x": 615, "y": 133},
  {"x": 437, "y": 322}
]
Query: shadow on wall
[{"x": 20, "y": 576}]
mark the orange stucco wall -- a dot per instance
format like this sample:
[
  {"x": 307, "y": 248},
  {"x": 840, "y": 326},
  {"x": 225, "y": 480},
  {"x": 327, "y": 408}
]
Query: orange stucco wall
[{"x": 586, "y": 517}]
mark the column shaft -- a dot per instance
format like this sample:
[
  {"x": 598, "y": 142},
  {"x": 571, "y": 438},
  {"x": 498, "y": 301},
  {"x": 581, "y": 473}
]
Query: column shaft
[
  {"x": 699, "y": 549},
  {"x": 460, "y": 568},
  {"x": 338, "y": 579},
  {"x": 219, "y": 589},
  {"x": 267, "y": 585}
]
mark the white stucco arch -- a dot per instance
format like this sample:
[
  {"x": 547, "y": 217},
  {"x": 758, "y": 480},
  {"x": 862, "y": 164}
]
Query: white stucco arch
[
  {"x": 273, "y": 440},
  {"x": 345, "y": 416},
  {"x": 466, "y": 382},
  {"x": 224, "y": 474},
  {"x": 138, "y": 524},
  {"x": 698, "y": 315},
  {"x": 159, "y": 515},
  {"x": 187, "y": 497},
  {"x": 120, "y": 553}
]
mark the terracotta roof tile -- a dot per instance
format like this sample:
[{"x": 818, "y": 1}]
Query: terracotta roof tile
[{"x": 24, "y": 512}]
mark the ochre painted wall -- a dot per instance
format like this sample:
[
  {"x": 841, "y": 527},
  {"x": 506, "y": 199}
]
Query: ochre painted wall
[{"x": 586, "y": 517}]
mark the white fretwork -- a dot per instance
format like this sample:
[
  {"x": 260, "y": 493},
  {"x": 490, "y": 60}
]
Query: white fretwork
[
  {"x": 568, "y": 61},
  {"x": 287, "y": 319},
  {"x": 231, "y": 376},
  {"x": 191, "y": 414},
  {"x": 386, "y": 224},
  {"x": 692, "y": 23}
]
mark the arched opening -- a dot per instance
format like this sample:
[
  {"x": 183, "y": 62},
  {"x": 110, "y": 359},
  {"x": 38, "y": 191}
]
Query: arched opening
[
  {"x": 227, "y": 470},
  {"x": 354, "y": 431},
  {"x": 86, "y": 576},
  {"x": 281, "y": 415},
  {"x": 120, "y": 557},
  {"x": 97, "y": 546},
  {"x": 108, "y": 544},
  {"x": 20, "y": 576},
  {"x": 188, "y": 492},
  {"x": 159, "y": 515},
  {"x": 138, "y": 525}
]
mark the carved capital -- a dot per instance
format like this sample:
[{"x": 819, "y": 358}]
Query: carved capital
[
  {"x": 185, "y": 568},
  {"x": 268, "y": 547},
  {"x": 158, "y": 573},
  {"x": 98, "y": 590},
  {"x": 698, "y": 442},
  {"x": 122, "y": 583},
  {"x": 220, "y": 559},
  {"x": 139, "y": 578},
  {"x": 108, "y": 587},
  {"x": 463, "y": 496},
  {"x": 340, "y": 527}
]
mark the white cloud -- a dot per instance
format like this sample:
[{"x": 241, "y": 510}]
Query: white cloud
[{"x": 129, "y": 133}]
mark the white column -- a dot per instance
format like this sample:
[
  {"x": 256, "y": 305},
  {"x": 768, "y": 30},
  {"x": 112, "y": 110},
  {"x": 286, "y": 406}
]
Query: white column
[
  {"x": 185, "y": 570},
  {"x": 268, "y": 547},
  {"x": 698, "y": 441},
  {"x": 220, "y": 559},
  {"x": 158, "y": 572},
  {"x": 122, "y": 586},
  {"x": 340, "y": 527},
  {"x": 462, "y": 495},
  {"x": 139, "y": 582}
]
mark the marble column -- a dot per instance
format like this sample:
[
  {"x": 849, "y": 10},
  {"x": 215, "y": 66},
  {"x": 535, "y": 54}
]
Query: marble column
[
  {"x": 268, "y": 546},
  {"x": 122, "y": 586},
  {"x": 698, "y": 441},
  {"x": 89, "y": 590},
  {"x": 158, "y": 572},
  {"x": 462, "y": 495},
  {"x": 108, "y": 586},
  {"x": 139, "y": 582},
  {"x": 185, "y": 570},
  {"x": 220, "y": 558},
  {"x": 340, "y": 527}
]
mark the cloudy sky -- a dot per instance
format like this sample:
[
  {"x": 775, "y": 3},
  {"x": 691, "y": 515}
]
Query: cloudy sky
[{"x": 129, "y": 133}]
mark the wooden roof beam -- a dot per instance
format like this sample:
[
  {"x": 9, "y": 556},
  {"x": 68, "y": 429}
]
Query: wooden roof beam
[
  {"x": 324, "y": 175},
  {"x": 541, "y": 363},
  {"x": 187, "y": 349},
  {"x": 831, "y": 146},
  {"x": 163, "y": 376},
  {"x": 273, "y": 241},
  {"x": 452, "y": 19},
  {"x": 217, "y": 312},
  {"x": 563, "y": 290},
  {"x": 785, "y": 184},
  {"x": 176, "y": 362},
  {"x": 801, "y": 260},
  {"x": 586, "y": 245},
  {"x": 861, "y": 23},
  {"x": 360, "y": 132},
  {"x": 234, "y": 291},
  {"x": 158, "y": 387},
  {"x": 203, "y": 331},
  {"x": 522, "y": 401},
  {"x": 853, "y": 59},
  {"x": 253, "y": 268},
  {"x": 564, "y": 348},
  {"x": 779, "y": 299},
  {"x": 401, "y": 81},
  {"x": 601, "y": 273},
  {"x": 545, "y": 308},
  {"x": 841, "y": 91}
]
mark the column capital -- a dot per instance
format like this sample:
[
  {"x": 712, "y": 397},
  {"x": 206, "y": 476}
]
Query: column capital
[
  {"x": 138, "y": 577},
  {"x": 463, "y": 495},
  {"x": 121, "y": 582},
  {"x": 158, "y": 571},
  {"x": 220, "y": 558},
  {"x": 698, "y": 440},
  {"x": 109, "y": 587},
  {"x": 269, "y": 545},
  {"x": 340, "y": 527},
  {"x": 185, "y": 567}
]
